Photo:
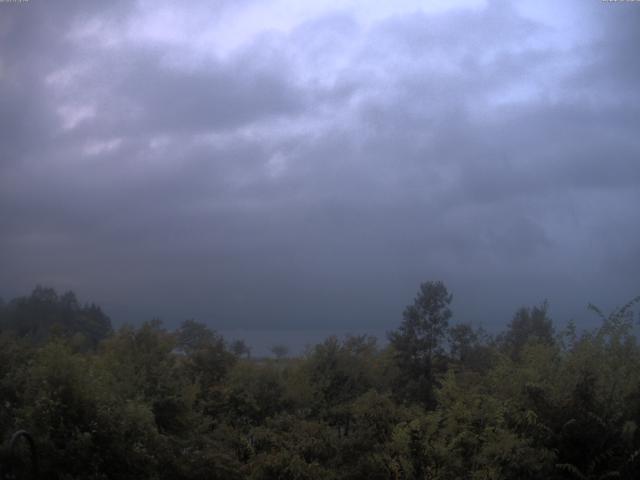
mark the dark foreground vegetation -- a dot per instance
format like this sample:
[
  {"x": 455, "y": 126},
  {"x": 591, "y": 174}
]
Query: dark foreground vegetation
[{"x": 440, "y": 401}]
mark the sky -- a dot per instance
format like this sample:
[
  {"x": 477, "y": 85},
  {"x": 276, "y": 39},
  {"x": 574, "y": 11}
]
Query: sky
[{"x": 276, "y": 166}]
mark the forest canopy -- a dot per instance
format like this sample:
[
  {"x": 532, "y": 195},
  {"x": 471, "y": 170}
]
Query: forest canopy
[{"x": 439, "y": 400}]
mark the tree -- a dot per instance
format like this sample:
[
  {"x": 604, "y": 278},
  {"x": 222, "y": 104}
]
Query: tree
[
  {"x": 339, "y": 372},
  {"x": 462, "y": 341},
  {"x": 418, "y": 341},
  {"x": 44, "y": 313},
  {"x": 280, "y": 351},
  {"x": 241, "y": 349},
  {"x": 193, "y": 335},
  {"x": 254, "y": 392},
  {"x": 528, "y": 325},
  {"x": 207, "y": 359},
  {"x": 469, "y": 348}
]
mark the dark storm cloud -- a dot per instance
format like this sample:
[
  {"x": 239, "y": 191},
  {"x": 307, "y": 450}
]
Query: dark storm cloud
[{"x": 315, "y": 177}]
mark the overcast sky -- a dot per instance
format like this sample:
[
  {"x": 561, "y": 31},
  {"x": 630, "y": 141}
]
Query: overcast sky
[{"x": 304, "y": 165}]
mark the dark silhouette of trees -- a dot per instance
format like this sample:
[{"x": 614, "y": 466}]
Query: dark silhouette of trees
[
  {"x": 438, "y": 402},
  {"x": 418, "y": 342},
  {"x": 280, "y": 351},
  {"x": 45, "y": 313},
  {"x": 528, "y": 325},
  {"x": 241, "y": 349}
]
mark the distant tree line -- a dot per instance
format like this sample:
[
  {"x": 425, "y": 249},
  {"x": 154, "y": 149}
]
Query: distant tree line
[{"x": 441, "y": 400}]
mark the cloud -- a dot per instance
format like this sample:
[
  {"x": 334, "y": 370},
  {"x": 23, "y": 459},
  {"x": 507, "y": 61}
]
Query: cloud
[{"x": 311, "y": 172}]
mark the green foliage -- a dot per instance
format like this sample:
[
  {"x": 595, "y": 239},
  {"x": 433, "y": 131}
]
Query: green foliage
[
  {"x": 255, "y": 393},
  {"x": 469, "y": 349},
  {"x": 148, "y": 403},
  {"x": 528, "y": 325},
  {"x": 207, "y": 359},
  {"x": 44, "y": 313},
  {"x": 417, "y": 344},
  {"x": 338, "y": 372}
]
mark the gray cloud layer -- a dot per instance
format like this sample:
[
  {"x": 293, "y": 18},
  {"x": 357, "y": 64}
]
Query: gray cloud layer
[{"x": 311, "y": 178}]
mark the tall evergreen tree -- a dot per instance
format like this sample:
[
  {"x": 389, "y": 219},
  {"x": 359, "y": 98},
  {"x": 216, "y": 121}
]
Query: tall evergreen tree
[{"x": 417, "y": 344}]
